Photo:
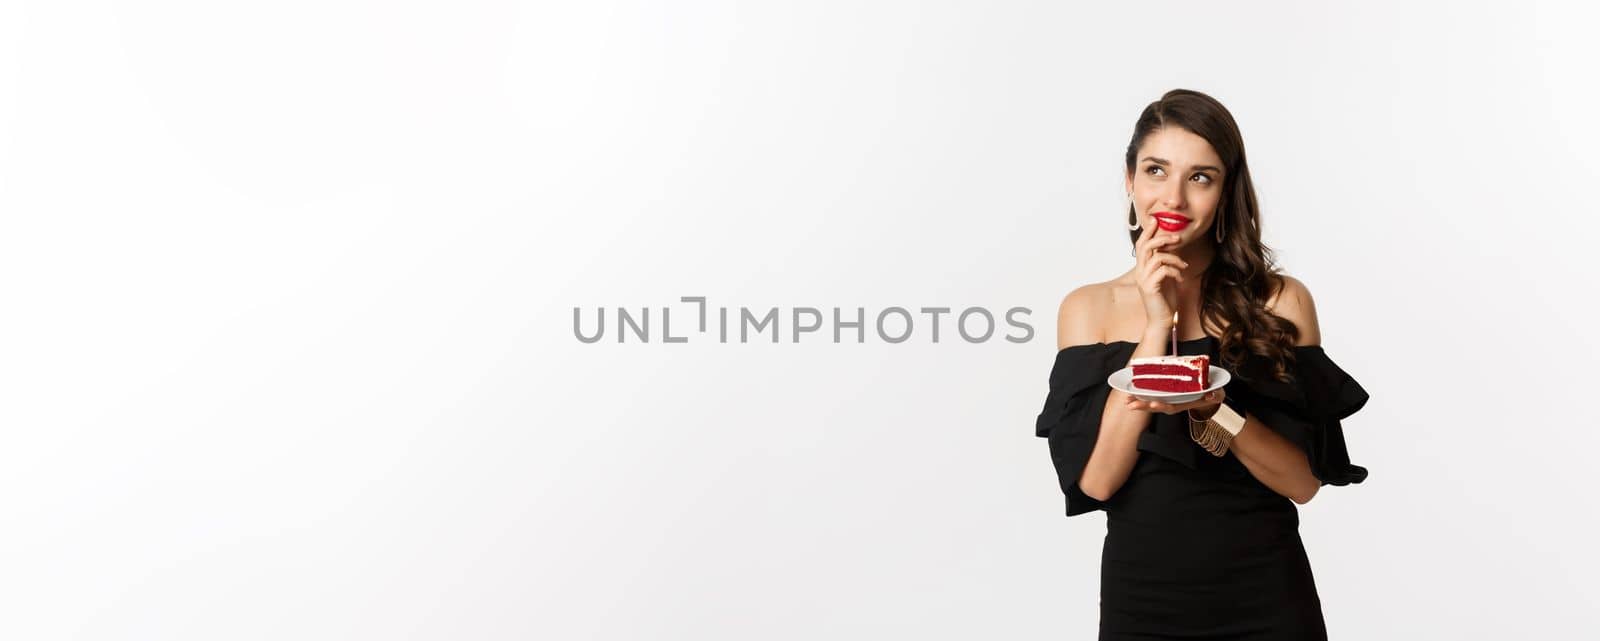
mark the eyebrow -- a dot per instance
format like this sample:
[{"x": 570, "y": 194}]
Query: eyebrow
[{"x": 1163, "y": 161}]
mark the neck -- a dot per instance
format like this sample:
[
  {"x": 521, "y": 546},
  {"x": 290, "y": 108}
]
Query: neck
[{"x": 1199, "y": 256}]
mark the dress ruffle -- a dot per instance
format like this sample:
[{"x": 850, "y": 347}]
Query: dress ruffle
[
  {"x": 1307, "y": 411},
  {"x": 1072, "y": 410}
]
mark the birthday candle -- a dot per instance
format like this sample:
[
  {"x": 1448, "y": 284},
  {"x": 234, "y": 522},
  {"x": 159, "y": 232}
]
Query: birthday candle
[{"x": 1174, "y": 333}]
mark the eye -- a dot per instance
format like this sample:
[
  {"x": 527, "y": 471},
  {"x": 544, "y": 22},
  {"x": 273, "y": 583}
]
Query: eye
[
  {"x": 1207, "y": 178},
  {"x": 1152, "y": 169}
]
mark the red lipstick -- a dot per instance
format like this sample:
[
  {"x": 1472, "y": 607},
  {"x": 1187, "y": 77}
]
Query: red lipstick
[{"x": 1169, "y": 221}]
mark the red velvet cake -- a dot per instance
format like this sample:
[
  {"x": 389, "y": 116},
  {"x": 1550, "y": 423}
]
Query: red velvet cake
[{"x": 1172, "y": 373}]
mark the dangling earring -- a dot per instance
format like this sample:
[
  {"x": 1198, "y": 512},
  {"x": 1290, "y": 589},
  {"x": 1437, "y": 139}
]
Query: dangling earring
[
  {"x": 1133, "y": 215},
  {"x": 1220, "y": 217}
]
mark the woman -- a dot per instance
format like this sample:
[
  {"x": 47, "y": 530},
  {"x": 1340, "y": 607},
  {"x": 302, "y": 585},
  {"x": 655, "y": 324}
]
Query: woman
[{"x": 1202, "y": 541}]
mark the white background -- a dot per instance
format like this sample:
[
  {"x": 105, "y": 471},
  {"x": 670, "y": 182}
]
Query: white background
[{"x": 288, "y": 294}]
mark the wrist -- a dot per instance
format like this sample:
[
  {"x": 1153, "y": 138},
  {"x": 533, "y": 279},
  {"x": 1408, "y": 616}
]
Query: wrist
[
  {"x": 1158, "y": 334},
  {"x": 1204, "y": 413}
]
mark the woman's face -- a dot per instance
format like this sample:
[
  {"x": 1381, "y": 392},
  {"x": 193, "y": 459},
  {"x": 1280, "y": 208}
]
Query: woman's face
[{"x": 1176, "y": 184}]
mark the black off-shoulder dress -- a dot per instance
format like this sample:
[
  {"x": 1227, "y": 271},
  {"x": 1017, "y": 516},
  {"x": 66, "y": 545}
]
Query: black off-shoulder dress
[{"x": 1195, "y": 546}]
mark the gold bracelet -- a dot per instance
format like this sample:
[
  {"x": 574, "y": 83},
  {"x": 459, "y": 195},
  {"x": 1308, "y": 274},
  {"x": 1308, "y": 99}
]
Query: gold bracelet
[{"x": 1210, "y": 435}]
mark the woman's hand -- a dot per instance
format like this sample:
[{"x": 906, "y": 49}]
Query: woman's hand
[
  {"x": 1153, "y": 268},
  {"x": 1212, "y": 399}
]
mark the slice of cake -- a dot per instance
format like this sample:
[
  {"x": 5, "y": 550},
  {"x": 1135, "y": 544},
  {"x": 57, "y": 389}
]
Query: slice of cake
[{"x": 1171, "y": 373}]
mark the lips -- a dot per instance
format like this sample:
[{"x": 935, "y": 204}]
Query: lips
[{"x": 1169, "y": 221}]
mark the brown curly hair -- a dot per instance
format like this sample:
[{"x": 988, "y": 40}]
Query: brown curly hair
[{"x": 1243, "y": 275}]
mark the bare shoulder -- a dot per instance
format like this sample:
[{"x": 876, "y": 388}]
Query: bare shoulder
[
  {"x": 1079, "y": 320},
  {"x": 1293, "y": 302}
]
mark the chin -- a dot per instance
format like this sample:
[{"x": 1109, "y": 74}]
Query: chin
[{"x": 1186, "y": 234}]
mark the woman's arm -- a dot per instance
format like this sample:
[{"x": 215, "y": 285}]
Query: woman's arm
[
  {"x": 1272, "y": 459},
  {"x": 1116, "y": 449},
  {"x": 1116, "y": 446}
]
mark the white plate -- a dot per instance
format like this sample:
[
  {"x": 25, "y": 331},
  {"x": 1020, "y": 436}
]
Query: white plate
[{"x": 1122, "y": 380}]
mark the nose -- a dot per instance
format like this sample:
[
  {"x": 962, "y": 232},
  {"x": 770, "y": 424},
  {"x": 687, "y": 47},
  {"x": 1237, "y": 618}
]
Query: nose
[{"x": 1172, "y": 197}]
